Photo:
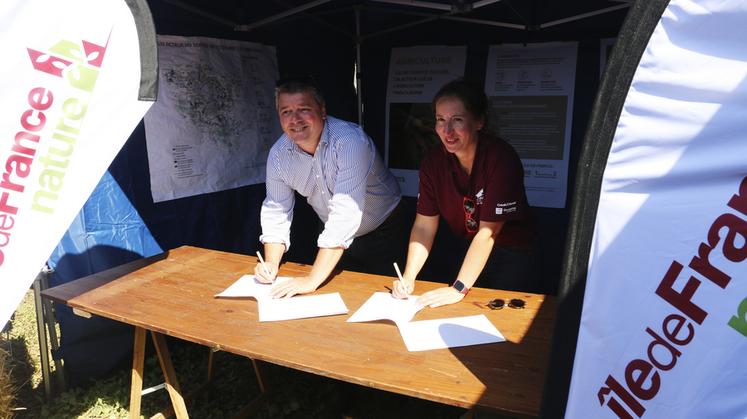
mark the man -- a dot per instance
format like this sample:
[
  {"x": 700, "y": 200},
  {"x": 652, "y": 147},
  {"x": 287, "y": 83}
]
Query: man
[{"x": 335, "y": 165}]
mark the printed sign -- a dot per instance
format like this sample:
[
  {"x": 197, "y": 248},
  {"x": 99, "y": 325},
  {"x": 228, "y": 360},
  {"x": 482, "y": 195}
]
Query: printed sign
[{"x": 69, "y": 102}]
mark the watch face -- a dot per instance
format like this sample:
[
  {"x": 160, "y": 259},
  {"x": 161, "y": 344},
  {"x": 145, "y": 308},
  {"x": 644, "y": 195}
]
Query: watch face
[{"x": 458, "y": 286}]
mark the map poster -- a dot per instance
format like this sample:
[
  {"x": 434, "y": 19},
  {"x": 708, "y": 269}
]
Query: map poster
[
  {"x": 530, "y": 89},
  {"x": 415, "y": 75},
  {"x": 215, "y": 118}
]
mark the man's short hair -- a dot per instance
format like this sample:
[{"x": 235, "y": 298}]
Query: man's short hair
[{"x": 299, "y": 84}]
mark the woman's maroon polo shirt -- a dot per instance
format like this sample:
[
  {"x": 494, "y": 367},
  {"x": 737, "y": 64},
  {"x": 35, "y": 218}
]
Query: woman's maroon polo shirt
[{"x": 496, "y": 185}]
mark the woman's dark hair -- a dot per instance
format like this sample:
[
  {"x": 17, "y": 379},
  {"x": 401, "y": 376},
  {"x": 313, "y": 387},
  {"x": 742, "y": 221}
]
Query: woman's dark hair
[{"x": 472, "y": 96}]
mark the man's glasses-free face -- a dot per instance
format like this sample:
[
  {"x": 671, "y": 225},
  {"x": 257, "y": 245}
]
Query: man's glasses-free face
[
  {"x": 469, "y": 207},
  {"x": 499, "y": 303}
]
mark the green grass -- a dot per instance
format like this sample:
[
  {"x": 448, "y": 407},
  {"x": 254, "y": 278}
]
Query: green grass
[{"x": 294, "y": 394}]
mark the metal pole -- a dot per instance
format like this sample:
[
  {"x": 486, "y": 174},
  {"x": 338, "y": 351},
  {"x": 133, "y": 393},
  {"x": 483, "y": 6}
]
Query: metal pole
[
  {"x": 50, "y": 321},
  {"x": 42, "y": 334}
]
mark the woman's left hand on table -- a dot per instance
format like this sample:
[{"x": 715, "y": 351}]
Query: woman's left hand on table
[{"x": 440, "y": 297}]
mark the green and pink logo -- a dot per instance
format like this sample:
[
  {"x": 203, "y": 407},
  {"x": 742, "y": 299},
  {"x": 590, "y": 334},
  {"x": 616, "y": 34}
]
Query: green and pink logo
[{"x": 78, "y": 63}]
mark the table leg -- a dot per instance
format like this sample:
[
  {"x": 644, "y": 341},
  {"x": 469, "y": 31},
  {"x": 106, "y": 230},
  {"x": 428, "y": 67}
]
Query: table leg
[
  {"x": 138, "y": 359},
  {"x": 172, "y": 384}
]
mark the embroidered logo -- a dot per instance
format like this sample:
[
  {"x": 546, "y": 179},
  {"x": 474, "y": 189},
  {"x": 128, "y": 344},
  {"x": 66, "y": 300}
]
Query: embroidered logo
[{"x": 479, "y": 196}]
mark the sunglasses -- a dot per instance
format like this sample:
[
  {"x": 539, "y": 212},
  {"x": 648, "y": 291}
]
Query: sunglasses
[
  {"x": 499, "y": 303},
  {"x": 468, "y": 205}
]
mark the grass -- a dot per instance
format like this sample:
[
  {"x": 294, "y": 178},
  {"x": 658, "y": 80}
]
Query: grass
[
  {"x": 7, "y": 390},
  {"x": 294, "y": 394}
]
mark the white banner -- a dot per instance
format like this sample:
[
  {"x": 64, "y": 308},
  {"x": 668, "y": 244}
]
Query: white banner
[
  {"x": 215, "y": 119},
  {"x": 664, "y": 324},
  {"x": 415, "y": 75},
  {"x": 530, "y": 89},
  {"x": 69, "y": 81}
]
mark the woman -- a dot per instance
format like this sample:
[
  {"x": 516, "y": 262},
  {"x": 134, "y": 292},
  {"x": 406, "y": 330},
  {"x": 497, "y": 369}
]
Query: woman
[{"x": 476, "y": 183}]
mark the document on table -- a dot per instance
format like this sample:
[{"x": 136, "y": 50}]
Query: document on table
[
  {"x": 449, "y": 333},
  {"x": 301, "y": 307},
  {"x": 248, "y": 286},
  {"x": 273, "y": 309},
  {"x": 383, "y": 306}
]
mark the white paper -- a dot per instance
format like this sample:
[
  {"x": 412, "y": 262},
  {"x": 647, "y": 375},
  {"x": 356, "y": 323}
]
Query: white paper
[
  {"x": 248, "y": 286},
  {"x": 383, "y": 306},
  {"x": 425, "y": 335},
  {"x": 301, "y": 307},
  {"x": 273, "y": 309}
]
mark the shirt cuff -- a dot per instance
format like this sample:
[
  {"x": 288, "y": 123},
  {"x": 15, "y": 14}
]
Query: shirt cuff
[
  {"x": 269, "y": 238},
  {"x": 327, "y": 242}
]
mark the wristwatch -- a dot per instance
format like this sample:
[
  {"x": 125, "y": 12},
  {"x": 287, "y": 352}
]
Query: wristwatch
[{"x": 459, "y": 286}]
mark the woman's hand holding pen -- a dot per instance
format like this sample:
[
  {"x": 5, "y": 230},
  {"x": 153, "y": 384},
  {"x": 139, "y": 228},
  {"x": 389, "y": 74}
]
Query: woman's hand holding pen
[{"x": 402, "y": 288}]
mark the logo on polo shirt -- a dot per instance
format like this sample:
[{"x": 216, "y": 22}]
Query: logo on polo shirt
[
  {"x": 479, "y": 196},
  {"x": 505, "y": 207}
]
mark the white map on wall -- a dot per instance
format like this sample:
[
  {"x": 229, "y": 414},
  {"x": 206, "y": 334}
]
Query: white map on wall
[{"x": 214, "y": 120}]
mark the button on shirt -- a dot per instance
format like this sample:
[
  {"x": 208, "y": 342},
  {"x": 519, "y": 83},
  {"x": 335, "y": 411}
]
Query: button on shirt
[{"x": 345, "y": 182}]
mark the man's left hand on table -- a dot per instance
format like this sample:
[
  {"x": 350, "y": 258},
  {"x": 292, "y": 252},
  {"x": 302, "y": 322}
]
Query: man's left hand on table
[{"x": 294, "y": 286}]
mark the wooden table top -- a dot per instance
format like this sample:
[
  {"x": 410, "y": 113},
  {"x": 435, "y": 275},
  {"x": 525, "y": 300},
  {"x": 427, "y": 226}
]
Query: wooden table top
[{"x": 173, "y": 294}]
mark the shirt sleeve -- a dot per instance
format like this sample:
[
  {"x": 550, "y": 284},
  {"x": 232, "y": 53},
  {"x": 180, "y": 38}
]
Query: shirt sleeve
[
  {"x": 277, "y": 208},
  {"x": 353, "y": 158},
  {"x": 504, "y": 194},
  {"x": 427, "y": 201}
]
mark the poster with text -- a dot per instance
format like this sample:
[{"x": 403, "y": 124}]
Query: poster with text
[
  {"x": 415, "y": 75},
  {"x": 215, "y": 118},
  {"x": 530, "y": 90}
]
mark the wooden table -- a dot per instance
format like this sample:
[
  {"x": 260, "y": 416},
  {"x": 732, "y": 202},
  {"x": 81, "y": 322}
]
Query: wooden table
[{"x": 172, "y": 294}]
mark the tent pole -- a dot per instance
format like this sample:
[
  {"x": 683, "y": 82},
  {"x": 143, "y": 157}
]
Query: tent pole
[
  {"x": 201, "y": 12},
  {"x": 42, "y": 335},
  {"x": 583, "y": 16},
  {"x": 279, "y": 16},
  {"x": 358, "y": 71}
]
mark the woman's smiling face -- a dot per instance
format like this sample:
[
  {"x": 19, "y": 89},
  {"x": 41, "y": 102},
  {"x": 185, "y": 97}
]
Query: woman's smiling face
[{"x": 456, "y": 126}]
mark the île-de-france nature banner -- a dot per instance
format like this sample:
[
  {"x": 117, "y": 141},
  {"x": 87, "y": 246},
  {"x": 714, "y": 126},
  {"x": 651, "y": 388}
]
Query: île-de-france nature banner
[
  {"x": 72, "y": 92},
  {"x": 663, "y": 330}
]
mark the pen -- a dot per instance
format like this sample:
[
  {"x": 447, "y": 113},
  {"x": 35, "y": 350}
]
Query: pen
[
  {"x": 262, "y": 262},
  {"x": 399, "y": 275}
]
